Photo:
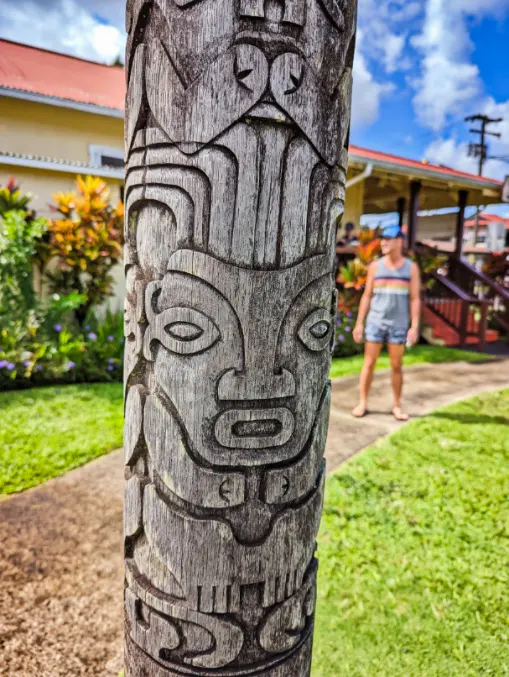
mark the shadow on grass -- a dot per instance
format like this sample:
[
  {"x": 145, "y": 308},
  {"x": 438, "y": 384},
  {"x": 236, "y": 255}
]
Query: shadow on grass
[{"x": 471, "y": 418}]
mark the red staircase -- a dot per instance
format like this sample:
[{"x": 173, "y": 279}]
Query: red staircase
[
  {"x": 456, "y": 305},
  {"x": 446, "y": 335}
]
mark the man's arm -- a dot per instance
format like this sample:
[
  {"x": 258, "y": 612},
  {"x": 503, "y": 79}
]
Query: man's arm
[
  {"x": 358, "y": 331},
  {"x": 415, "y": 304}
]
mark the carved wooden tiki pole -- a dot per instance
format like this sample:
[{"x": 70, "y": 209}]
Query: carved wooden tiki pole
[{"x": 236, "y": 136}]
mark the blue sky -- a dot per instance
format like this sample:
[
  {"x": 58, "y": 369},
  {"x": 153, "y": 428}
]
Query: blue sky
[{"x": 421, "y": 66}]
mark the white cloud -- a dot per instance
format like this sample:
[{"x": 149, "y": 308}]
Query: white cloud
[
  {"x": 382, "y": 37},
  {"x": 393, "y": 49},
  {"x": 65, "y": 26},
  {"x": 367, "y": 93},
  {"x": 449, "y": 83}
]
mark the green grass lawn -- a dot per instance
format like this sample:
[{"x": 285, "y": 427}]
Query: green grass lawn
[
  {"x": 346, "y": 366},
  {"x": 414, "y": 551},
  {"x": 47, "y": 431}
]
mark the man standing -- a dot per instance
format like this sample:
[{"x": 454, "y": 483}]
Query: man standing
[{"x": 391, "y": 302}]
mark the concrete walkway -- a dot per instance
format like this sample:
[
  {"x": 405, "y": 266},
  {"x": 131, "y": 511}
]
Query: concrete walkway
[{"x": 61, "y": 543}]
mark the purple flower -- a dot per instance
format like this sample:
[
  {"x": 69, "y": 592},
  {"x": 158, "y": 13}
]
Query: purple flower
[
  {"x": 349, "y": 313},
  {"x": 110, "y": 360},
  {"x": 122, "y": 340},
  {"x": 341, "y": 337},
  {"x": 111, "y": 367},
  {"x": 38, "y": 367},
  {"x": 10, "y": 366},
  {"x": 111, "y": 338},
  {"x": 57, "y": 327},
  {"x": 92, "y": 336},
  {"x": 87, "y": 327},
  {"x": 26, "y": 363},
  {"x": 3, "y": 364},
  {"x": 71, "y": 365},
  {"x": 348, "y": 328}
]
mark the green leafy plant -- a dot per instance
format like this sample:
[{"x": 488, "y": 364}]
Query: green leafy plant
[
  {"x": 85, "y": 240},
  {"x": 344, "y": 344},
  {"x": 353, "y": 276},
  {"x": 21, "y": 233},
  {"x": 36, "y": 351}
]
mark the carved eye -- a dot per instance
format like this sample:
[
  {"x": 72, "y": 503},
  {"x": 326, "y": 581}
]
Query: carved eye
[
  {"x": 184, "y": 331},
  {"x": 320, "y": 329},
  {"x": 315, "y": 331}
]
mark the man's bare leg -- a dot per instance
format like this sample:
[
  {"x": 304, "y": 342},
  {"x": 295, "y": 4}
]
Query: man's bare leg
[
  {"x": 371, "y": 353},
  {"x": 396, "y": 352}
]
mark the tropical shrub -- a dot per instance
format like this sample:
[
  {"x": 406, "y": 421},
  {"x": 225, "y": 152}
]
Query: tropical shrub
[
  {"x": 36, "y": 352},
  {"x": 21, "y": 233},
  {"x": 85, "y": 240},
  {"x": 63, "y": 338},
  {"x": 344, "y": 345},
  {"x": 352, "y": 276},
  {"x": 496, "y": 266}
]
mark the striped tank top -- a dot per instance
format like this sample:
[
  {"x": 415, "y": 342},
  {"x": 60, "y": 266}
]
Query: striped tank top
[{"x": 390, "y": 303}]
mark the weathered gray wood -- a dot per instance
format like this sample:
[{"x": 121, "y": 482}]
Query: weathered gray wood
[{"x": 236, "y": 131}]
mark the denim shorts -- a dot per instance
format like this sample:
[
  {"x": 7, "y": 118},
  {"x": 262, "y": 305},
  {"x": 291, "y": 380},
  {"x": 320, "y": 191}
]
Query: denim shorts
[{"x": 377, "y": 334}]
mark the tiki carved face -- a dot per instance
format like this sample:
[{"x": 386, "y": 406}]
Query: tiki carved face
[
  {"x": 199, "y": 31},
  {"x": 243, "y": 368}
]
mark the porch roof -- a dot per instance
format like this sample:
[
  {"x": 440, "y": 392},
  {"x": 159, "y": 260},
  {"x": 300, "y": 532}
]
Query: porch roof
[{"x": 392, "y": 175}]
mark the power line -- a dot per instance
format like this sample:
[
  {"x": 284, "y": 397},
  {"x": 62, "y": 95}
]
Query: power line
[{"x": 480, "y": 150}]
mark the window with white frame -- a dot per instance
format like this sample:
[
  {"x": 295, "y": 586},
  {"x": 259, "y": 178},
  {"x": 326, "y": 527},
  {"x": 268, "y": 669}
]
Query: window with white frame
[{"x": 106, "y": 156}]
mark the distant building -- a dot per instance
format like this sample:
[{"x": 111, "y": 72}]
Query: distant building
[{"x": 59, "y": 117}]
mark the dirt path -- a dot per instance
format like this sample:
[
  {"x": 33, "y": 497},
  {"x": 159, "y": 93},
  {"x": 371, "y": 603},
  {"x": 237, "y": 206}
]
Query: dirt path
[
  {"x": 61, "y": 575},
  {"x": 61, "y": 543}
]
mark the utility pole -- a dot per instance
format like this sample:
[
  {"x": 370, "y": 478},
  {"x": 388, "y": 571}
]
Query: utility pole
[
  {"x": 236, "y": 136},
  {"x": 480, "y": 150}
]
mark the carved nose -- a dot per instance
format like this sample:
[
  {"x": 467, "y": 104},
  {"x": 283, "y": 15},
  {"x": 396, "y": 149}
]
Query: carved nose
[{"x": 255, "y": 385}]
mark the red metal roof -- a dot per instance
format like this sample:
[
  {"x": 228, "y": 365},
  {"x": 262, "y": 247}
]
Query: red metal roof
[
  {"x": 39, "y": 71},
  {"x": 375, "y": 156},
  {"x": 485, "y": 219}
]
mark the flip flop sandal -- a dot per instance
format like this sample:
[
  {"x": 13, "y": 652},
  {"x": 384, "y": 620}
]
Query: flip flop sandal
[{"x": 364, "y": 413}]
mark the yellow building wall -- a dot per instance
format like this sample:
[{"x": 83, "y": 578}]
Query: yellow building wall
[
  {"x": 42, "y": 183},
  {"x": 49, "y": 131},
  {"x": 354, "y": 204}
]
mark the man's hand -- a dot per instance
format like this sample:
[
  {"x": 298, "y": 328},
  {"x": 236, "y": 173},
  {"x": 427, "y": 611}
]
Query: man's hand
[
  {"x": 413, "y": 336},
  {"x": 358, "y": 333}
]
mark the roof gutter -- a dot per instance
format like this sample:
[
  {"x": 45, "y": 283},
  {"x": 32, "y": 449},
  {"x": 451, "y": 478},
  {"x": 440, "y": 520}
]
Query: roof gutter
[
  {"x": 368, "y": 170},
  {"x": 65, "y": 167},
  {"x": 61, "y": 103},
  {"x": 424, "y": 173}
]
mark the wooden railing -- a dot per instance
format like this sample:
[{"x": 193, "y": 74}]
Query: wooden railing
[
  {"x": 453, "y": 306},
  {"x": 483, "y": 288}
]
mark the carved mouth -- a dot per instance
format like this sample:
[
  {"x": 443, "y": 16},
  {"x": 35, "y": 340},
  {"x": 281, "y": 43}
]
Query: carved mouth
[{"x": 254, "y": 428}]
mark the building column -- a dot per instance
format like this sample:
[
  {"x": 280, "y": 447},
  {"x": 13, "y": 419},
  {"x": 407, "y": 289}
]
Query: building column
[
  {"x": 460, "y": 222},
  {"x": 401, "y": 206},
  {"x": 415, "y": 188}
]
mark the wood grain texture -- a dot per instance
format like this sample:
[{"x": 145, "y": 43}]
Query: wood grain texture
[{"x": 236, "y": 149}]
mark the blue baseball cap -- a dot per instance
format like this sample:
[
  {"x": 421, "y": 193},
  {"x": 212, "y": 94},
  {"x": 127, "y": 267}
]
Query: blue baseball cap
[{"x": 391, "y": 231}]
